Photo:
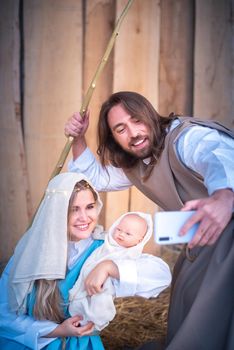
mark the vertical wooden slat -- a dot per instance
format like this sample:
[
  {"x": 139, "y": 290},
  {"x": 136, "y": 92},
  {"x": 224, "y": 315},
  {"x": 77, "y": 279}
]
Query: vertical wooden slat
[
  {"x": 137, "y": 49},
  {"x": 14, "y": 204},
  {"x": 116, "y": 202},
  {"x": 53, "y": 78},
  {"x": 136, "y": 69},
  {"x": 176, "y": 57},
  {"x": 99, "y": 20},
  {"x": 214, "y": 56}
]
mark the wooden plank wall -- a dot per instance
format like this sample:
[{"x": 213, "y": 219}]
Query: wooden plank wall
[
  {"x": 14, "y": 192},
  {"x": 178, "y": 53}
]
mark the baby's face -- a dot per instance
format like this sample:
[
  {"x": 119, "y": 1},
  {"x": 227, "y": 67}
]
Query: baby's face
[{"x": 130, "y": 230}]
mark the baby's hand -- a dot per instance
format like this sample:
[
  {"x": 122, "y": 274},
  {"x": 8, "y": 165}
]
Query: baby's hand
[{"x": 97, "y": 277}]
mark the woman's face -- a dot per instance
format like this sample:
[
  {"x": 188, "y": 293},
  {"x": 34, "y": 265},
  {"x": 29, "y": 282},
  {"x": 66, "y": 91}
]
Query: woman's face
[{"x": 83, "y": 216}]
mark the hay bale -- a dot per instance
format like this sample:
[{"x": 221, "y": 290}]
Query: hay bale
[{"x": 137, "y": 321}]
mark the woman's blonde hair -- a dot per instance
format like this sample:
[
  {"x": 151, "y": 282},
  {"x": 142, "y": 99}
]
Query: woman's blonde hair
[{"x": 49, "y": 303}]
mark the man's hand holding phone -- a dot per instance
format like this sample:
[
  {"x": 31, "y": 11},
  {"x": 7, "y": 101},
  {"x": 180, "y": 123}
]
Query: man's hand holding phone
[{"x": 167, "y": 226}]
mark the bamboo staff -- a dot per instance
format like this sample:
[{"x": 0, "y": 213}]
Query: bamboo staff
[
  {"x": 89, "y": 94},
  {"x": 91, "y": 88}
]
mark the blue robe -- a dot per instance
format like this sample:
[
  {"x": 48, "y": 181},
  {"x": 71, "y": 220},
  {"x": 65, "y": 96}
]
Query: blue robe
[{"x": 72, "y": 343}]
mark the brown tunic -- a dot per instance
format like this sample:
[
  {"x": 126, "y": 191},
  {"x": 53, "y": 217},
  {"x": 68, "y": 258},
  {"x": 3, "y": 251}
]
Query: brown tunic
[
  {"x": 171, "y": 183},
  {"x": 201, "y": 313}
]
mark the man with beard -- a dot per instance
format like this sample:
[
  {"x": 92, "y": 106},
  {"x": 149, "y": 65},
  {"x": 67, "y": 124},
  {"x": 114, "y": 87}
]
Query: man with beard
[{"x": 180, "y": 163}]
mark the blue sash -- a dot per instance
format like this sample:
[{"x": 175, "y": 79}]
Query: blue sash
[{"x": 87, "y": 342}]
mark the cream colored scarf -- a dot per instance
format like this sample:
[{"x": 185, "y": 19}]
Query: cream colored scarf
[{"x": 42, "y": 251}]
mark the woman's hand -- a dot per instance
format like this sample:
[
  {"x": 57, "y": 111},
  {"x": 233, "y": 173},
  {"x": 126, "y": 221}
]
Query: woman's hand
[
  {"x": 71, "y": 328},
  {"x": 213, "y": 213},
  {"x": 97, "y": 277}
]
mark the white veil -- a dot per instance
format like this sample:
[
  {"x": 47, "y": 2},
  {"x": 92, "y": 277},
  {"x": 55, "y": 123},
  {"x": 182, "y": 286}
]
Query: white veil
[{"x": 42, "y": 251}]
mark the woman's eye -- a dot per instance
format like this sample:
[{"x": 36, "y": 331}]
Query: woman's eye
[
  {"x": 74, "y": 209},
  {"x": 91, "y": 206}
]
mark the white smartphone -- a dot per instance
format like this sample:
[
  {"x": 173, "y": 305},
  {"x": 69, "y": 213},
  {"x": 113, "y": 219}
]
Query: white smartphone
[{"x": 167, "y": 225}]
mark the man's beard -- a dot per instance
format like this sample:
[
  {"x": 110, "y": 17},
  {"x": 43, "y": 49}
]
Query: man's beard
[{"x": 143, "y": 153}]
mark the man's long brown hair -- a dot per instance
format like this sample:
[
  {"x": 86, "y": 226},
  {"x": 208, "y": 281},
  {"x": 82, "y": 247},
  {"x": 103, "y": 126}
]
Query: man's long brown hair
[{"x": 138, "y": 107}]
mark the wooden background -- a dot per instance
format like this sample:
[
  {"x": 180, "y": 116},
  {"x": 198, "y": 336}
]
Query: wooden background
[{"x": 178, "y": 53}]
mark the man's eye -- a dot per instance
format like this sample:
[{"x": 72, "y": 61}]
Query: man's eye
[{"x": 120, "y": 131}]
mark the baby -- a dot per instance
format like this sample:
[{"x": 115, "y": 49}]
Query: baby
[
  {"x": 125, "y": 239},
  {"x": 130, "y": 231}
]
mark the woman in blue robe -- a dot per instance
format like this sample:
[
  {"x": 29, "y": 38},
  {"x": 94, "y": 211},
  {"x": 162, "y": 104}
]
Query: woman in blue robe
[{"x": 46, "y": 264}]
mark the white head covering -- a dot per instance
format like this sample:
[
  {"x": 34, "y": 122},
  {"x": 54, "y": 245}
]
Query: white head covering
[{"x": 42, "y": 251}]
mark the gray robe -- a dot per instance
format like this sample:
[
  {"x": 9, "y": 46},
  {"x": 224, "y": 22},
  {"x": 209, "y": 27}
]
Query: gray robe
[{"x": 201, "y": 312}]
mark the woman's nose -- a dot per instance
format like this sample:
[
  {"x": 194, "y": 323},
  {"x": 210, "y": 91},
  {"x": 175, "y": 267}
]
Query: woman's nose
[{"x": 83, "y": 215}]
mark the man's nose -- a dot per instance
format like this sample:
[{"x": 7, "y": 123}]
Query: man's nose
[{"x": 133, "y": 131}]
